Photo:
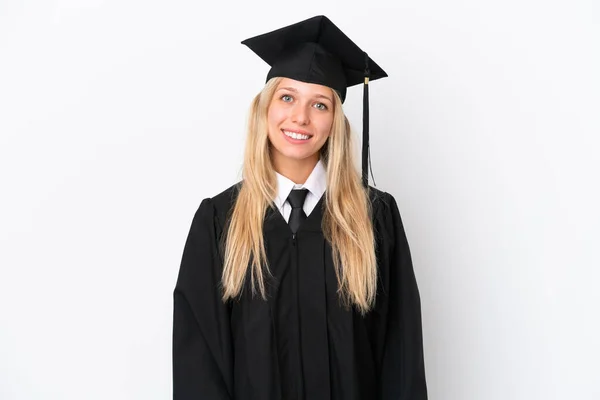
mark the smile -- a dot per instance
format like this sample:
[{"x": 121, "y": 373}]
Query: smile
[{"x": 296, "y": 135}]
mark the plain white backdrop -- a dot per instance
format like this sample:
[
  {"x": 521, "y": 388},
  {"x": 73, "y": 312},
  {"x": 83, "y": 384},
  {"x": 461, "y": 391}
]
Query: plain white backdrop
[{"x": 118, "y": 117}]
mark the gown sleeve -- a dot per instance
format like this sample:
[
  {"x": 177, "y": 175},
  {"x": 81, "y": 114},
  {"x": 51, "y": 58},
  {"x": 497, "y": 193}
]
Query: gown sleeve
[
  {"x": 202, "y": 350},
  {"x": 403, "y": 370}
]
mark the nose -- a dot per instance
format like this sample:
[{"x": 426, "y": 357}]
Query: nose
[{"x": 300, "y": 115}]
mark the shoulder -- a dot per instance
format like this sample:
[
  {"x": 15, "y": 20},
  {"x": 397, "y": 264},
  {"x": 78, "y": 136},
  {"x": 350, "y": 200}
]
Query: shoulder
[
  {"x": 225, "y": 200},
  {"x": 381, "y": 202},
  {"x": 219, "y": 206},
  {"x": 386, "y": 215}
]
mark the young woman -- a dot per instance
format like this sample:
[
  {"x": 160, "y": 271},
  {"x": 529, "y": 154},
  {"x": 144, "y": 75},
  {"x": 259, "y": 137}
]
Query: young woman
[{"x": 297, "y": 282}]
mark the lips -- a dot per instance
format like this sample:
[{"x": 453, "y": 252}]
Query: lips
[{"x": 296, "y": 135}]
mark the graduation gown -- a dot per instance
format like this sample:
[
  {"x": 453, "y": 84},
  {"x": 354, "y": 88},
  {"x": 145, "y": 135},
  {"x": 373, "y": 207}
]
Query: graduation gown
[{"x": 301, "y": 343}]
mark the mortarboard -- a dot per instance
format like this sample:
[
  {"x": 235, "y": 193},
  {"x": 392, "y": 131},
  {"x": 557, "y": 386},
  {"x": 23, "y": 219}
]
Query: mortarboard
[{"x": 317, "y": 51}]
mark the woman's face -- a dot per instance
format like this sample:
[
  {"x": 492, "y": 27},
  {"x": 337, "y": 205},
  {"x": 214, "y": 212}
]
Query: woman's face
[{"x": 300, "y": 117}]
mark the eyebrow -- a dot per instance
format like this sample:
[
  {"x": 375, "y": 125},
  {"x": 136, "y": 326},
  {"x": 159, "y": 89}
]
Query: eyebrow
[{"x": 319, "y": 96}]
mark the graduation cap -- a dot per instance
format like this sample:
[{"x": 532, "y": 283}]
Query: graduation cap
[{"x": 317, "y": 51}]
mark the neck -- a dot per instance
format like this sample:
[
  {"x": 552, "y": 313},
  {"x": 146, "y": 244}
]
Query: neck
[{"x": 297, "y": 171}]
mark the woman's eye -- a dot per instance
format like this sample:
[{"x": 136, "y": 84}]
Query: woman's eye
[
  {"x": 321, "y": 106},
  {"x": 286, "y": 98}
]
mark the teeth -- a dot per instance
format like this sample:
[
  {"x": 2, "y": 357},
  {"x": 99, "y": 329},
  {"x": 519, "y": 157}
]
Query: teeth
[{"x": 295, "y": 135}]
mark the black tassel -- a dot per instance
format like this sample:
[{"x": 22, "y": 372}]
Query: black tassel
[{"x": 365, "y": 143}]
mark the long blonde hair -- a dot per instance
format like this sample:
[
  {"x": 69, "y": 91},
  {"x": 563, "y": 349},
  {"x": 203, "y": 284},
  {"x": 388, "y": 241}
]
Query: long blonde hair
[{"x": 346, "y": 222}]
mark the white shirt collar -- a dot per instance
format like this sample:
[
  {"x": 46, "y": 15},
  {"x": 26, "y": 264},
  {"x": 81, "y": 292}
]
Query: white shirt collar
[{"x": 316, "y": 183}]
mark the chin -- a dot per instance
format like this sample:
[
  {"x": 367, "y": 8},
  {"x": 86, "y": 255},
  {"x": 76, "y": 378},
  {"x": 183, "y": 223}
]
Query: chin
[
  {"x": 298, "y": 157},
  {"x": 294, "y": 155}
]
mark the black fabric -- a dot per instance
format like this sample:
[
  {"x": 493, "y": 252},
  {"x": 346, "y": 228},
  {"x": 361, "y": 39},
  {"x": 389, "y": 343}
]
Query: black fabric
[
  {"x": 315, "y": 51},
  {"x": 302, "y": 343},
  {"x": 296, "y": 199}
]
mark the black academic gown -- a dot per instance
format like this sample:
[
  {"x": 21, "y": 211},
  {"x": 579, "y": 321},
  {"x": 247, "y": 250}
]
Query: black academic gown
[{"x": 301, "y": 344}]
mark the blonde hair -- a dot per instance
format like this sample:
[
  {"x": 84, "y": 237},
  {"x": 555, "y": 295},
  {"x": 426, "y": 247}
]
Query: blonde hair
[{"x": 346, "y": 224}]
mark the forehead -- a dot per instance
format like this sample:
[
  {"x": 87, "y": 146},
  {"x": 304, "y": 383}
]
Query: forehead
[{"x": 305, "y": 88}]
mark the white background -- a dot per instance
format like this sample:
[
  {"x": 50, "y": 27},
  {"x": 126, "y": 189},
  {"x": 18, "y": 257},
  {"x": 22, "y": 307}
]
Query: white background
[{"x": 118, "y": 117}]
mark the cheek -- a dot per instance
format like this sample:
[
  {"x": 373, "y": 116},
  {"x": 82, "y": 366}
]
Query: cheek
[
  {"x": 275, "y": 116},
  {"x": 272, "y": 123},
  {"x": 325, "y": 126}
]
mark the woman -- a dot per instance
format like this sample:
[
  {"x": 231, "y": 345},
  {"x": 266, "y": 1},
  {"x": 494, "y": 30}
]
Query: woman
[{"x": 297, "y": 282}]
